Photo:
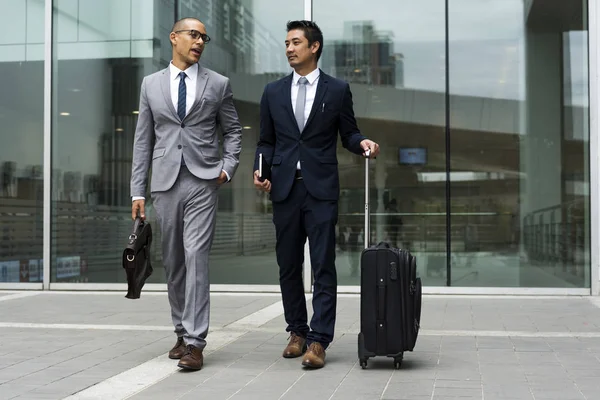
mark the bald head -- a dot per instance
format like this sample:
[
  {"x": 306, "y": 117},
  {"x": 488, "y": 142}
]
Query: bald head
[{"x": 182, "y": 23}]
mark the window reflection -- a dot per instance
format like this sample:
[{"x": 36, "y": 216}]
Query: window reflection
[
  {"x": 101, "y": 61},
  {"x": 21, "y": 142},
  {"x": 394, "y": 61},
  {"x": 519, "y": 133},
  {"x": 518, "y": 117}
]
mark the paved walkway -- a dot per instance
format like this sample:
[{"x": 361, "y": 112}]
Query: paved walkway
[{"x": 102, "y": 346}]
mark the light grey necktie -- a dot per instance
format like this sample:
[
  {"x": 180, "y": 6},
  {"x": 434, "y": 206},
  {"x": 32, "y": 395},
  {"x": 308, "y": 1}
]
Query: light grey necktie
[{"x": 300, "y": 102}]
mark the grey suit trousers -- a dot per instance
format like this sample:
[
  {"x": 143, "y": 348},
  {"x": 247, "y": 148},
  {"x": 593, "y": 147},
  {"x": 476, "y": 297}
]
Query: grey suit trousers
[{"x": 186, "y": 215}]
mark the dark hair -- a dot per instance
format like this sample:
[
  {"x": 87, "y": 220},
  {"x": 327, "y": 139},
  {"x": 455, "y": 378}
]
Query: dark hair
[
  {"x": 312, "y": 32},
  {"x": 178, "y": 23}
]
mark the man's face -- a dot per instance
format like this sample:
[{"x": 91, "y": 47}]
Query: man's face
[
  {"x": 297, "y": 50},
  {"x": 187, "y": 48}
]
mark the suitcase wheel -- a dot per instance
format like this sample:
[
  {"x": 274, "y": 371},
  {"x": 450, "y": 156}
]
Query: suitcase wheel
[
  {"x": 398, "y": 362},
  {"x": 363, "y": 364}
]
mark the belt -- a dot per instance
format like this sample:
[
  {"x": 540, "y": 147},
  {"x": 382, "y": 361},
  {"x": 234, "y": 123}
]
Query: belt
[{"x": 298, "y": 174}]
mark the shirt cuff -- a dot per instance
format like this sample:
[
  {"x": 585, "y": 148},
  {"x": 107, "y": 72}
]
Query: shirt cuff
[
  {"x": 228, "y": 177},
  {"x": 134, "y": 198}
]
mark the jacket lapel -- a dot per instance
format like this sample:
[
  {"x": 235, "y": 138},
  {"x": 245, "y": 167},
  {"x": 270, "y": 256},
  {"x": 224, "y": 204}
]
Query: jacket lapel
[
  {"x": 201, "y": 81},
  {"x": 287, "y": 90},
  {"x": 317, "y": 104},
  {"x": 165, "y": 85}
]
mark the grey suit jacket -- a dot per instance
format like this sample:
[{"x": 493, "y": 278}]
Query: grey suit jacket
[{"x": 161, "y": 138}]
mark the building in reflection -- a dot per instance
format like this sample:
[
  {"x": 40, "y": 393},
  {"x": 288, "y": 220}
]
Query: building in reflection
[
  {"x": 239, "y": 42},
  {"x": 365, "y": 56}
]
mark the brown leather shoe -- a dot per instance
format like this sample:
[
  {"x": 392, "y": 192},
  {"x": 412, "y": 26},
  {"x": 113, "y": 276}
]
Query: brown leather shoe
[
  {"x": 192, "y": 359},
  {"x": 315, "y": 356},
  {"x": 296, "y": 346},
  {"x": 178, "y": 350}
]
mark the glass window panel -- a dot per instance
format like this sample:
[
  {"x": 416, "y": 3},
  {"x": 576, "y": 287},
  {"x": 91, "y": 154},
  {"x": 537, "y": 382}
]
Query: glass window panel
[
  {"x": 97, "y": 94},
  {"x": 107, "y": 19},
  {"x": 13, "y": 21},
  {"x": 66, "y": 21},
  {"x": 248, "y": 47},
  {"x": 142, "y": 17},
  {"x": 97, "y": 76},
  {"x": 35, "y": 12},
  {"x": 21, "y": 145},
  {"x": 519, "y": 143},
  {"x": 395, "y": 63}
]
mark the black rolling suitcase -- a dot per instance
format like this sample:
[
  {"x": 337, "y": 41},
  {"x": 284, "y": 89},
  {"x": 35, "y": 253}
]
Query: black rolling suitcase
[{"x": 390, "y": 298}]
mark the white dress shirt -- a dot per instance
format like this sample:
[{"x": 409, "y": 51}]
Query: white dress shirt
[
  {"x": 190, "y": 90},
  {"x": 190, "y": 85},
  {"x": 311, "y": 92}
]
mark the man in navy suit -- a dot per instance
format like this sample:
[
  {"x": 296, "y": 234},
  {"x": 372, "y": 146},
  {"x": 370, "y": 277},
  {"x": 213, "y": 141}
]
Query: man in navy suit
[{"x": 300, "y": 117}]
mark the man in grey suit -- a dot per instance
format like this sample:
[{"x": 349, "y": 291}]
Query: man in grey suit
[{"x": 180, "y": 109}]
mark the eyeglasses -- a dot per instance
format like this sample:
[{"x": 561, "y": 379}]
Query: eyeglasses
[{"x": 196, "y": 35}]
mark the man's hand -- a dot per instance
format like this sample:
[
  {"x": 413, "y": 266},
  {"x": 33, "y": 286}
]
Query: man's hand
[
  {"x": 222, "y": 178},
  {"x": 138, "y": 205},
  {"x": 370, "y": 145},
  {"x": 265, "y": 185}
]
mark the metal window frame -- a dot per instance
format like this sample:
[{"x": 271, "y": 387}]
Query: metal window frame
[
  {"x": 489, "y": 291},
  {"x": 47, "y": 217},
  {"x": 594, "y": 113},
  {"x": 21, "y": 286},
  {"x": 354, "y": 289},
  {"x": 448, "y": 142},
  {"x": 162, "y": 287},
  {"x": 307, "y": 267}
]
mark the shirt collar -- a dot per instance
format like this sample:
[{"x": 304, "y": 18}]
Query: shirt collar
[
  {"x": 191, "y": 72},
  {"x": 311, "y": 78}
]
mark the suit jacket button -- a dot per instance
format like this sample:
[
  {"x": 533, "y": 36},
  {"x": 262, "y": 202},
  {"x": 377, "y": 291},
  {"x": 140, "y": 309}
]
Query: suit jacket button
[
  {"x": 179, "y": 146},
  {"x": 301, "y": 141},
  {"x": 182, "y": 125}
]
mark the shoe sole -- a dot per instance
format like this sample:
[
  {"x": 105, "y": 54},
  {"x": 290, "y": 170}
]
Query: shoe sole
[
  {"x": 175, "y": 358},
  {"x": 187, "y": 367},
  {"x": 309, "y": 365}
]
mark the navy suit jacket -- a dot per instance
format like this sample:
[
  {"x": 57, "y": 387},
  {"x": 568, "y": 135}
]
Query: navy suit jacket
[{"x": 283, "y": 145}]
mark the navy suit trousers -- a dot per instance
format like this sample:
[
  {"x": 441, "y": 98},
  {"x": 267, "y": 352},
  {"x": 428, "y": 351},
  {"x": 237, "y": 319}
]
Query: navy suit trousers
[{"x": 300, "y": 216}]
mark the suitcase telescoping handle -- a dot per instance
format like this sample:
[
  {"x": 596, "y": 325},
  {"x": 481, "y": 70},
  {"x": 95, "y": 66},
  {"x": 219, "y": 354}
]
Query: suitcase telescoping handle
[{"x": 367, "y": 232}]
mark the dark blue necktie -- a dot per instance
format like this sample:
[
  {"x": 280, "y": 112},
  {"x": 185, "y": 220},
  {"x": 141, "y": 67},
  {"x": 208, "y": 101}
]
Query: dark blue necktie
[{"x": 182, "y": 95}]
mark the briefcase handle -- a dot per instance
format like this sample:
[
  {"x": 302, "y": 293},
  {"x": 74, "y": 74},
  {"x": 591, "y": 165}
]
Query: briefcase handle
[{"x": 138, "y": 224}]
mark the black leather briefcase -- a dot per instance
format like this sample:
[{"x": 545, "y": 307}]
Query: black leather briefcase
[{"x": 136, "y": 258}]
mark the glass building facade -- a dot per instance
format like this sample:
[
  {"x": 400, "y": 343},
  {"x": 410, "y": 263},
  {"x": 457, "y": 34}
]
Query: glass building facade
[{"x": 485, "y": 113}]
